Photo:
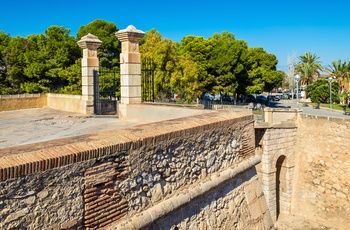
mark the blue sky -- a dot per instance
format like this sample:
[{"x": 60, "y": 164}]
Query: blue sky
[{"x": 283, "y": 28}]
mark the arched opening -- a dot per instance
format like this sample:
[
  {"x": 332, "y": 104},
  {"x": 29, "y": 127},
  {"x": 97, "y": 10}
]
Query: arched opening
[{"x": 280, "y": 183}]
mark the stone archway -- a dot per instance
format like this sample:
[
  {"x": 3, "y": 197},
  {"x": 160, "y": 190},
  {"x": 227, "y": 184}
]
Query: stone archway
[
  {"x": 277, "y": 168},
  {"x": 281, "y": 178}
]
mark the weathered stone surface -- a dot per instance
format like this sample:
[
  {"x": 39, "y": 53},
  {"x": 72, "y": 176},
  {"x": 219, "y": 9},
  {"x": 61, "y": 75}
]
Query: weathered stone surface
[
  {"x": 323, "y": 182},
  {"x": 69, "y": 225},
  {"x": 40, "y": 202},
  {"x": 223, "y": 208}
]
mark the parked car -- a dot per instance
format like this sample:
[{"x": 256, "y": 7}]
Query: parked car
[
  {"x": 227, "y": 98},
  {"x": 272, "y": 98},
  {"x": 208, "y": 96},
  {"x": 250, "y": 98},
  {"x": 279, "y": 96},
  {"x": 261, "y": 99}
]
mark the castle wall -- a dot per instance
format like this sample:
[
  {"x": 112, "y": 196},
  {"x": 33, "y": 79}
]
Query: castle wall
[
  {"x": 22, "y": 101},
  {"x": 322, "y": 187},
  {"x": 274, "y": 144},
  {"x": 109, "y": 178}
]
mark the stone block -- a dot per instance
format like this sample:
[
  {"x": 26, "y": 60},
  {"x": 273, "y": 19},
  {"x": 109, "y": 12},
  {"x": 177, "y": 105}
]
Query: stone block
[
  {"x": 130, "y": 80},
  {"x": 87, "y": 90},
  {"x": 249, "y": 192},
  {"x": 88, "y": 71},
  {"x": 129, "y": 100},
  {"x": 87, "y": 80},
  {"x": 89, "y": 62},
  {"x": 131, "y": 91},
  {"x": 130, "y": 47},
  {"x": 255, "y": 211},
  {"x": 130, "y": 58},
  {"x": 130, "y": 68},
  {"x": 69, "y": 225},
  {"x": 262, "y": 203}
]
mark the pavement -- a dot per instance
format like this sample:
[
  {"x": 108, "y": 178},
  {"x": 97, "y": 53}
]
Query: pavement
[{"x": 28, "y": 126}]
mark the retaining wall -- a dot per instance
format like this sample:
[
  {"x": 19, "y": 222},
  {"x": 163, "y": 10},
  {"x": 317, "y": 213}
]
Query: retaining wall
[
  {"x": 322, "y": 186},
  {"x": 108, "y": 178},
  {"x": 22, "y": 101},
  {"x": 71, "y": 103}
]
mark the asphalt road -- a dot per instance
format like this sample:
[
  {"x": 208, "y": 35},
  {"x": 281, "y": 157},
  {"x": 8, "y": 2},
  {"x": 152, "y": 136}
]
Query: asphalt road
[{"x": 309, "y": 109}]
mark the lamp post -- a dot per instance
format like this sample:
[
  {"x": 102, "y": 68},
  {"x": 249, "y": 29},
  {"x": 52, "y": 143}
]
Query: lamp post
[
  {"x": 297, "y": 78},
  {"x": 330, "y": 92}
]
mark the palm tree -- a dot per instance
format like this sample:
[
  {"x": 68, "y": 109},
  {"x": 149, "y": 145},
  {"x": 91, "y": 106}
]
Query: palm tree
[
  {"x": 341, "y": 71},
  {"x": 309, "y": 68}
]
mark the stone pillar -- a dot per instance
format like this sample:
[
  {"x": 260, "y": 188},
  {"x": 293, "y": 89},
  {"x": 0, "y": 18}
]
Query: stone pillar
[
  {"x": 130, "y": 65},
  {"x": 89, "y": 62}
]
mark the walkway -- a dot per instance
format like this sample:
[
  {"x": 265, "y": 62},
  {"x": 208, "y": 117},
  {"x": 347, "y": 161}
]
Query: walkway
[{"x": 27, "y": 126}]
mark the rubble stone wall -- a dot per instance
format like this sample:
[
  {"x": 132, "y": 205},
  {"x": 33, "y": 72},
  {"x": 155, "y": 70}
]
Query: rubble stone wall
[{"x": 110, "y": 177}]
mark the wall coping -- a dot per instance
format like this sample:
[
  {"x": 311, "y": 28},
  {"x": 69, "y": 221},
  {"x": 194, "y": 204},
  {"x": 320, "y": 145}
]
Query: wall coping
[
  {"x": 9, "y": 96},
  {"x": 29, "y": 159},
  {"x": 328, "y": 118}
]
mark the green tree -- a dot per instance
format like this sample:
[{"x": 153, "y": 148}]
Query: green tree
[
  {"x": 109, "y": 51},
  {"x": 14, "y": 57},
  {"x": 341, "y": 71},
  {"x": 225, "y": 61},
  {"x": 162, "y": 53},
  {"x": 34, "y": 62},
  {"x": 318, "y": 91},
  {"x": 309, "y": 68},
  {"x": 72, "y": 76},
  {"x": 261, "y": 71},
  {"x": 184, "y": 80},
  {"x": 198, "y": 50},
  {"x": 4, "y": 41}
]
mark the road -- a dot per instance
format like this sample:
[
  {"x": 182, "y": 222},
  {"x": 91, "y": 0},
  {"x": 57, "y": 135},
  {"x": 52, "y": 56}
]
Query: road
[{"x": 309, "y": 109}]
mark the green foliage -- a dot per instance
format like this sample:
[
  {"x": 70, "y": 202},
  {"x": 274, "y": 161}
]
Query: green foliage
[
  {"x": 309, "y": 68},
  {"x": 341, "y": 71},
  {"x": 262, "y": 74},
  {"x": 109, "y": 82},
  {"x": 72, "y": 74},
  {"x": 162, "y": 53},
  {"x": 34, "y": 63},
  {"x": 50, "y": 62},
  {"x": 110, "y": 48},
  {"x": 319, "y": 91},
  {"x": 224, "y": 61}
]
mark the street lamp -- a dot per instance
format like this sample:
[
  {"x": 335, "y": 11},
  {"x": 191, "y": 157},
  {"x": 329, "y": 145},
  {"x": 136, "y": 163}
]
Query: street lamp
[
  {"x": 297, "y": 78},
  {"x": 330, "y": 92}
]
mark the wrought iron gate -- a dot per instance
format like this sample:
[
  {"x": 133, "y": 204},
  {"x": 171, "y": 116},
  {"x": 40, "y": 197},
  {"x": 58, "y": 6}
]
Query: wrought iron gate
[
  {"x": 147, "y": 79},
  {"x": 105, "y": 89}
]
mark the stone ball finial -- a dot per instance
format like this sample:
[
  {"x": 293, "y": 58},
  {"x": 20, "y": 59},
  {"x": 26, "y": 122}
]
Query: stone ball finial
[
  {"x": 130, "y": 34},
  {"x": 89, "y": 41}
]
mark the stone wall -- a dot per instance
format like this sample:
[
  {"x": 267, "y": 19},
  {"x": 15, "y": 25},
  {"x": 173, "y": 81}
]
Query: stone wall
[
  {"x": 47, "y": 200},
  {"x": 22, "y": 101},
  {"x": 276, "y": 147},
  {"x": 237, "y": 204},
  {"x": 72, "y": 103},
  {"x": 322, "y": 186},
  {"x": 109, "y": 177}
]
